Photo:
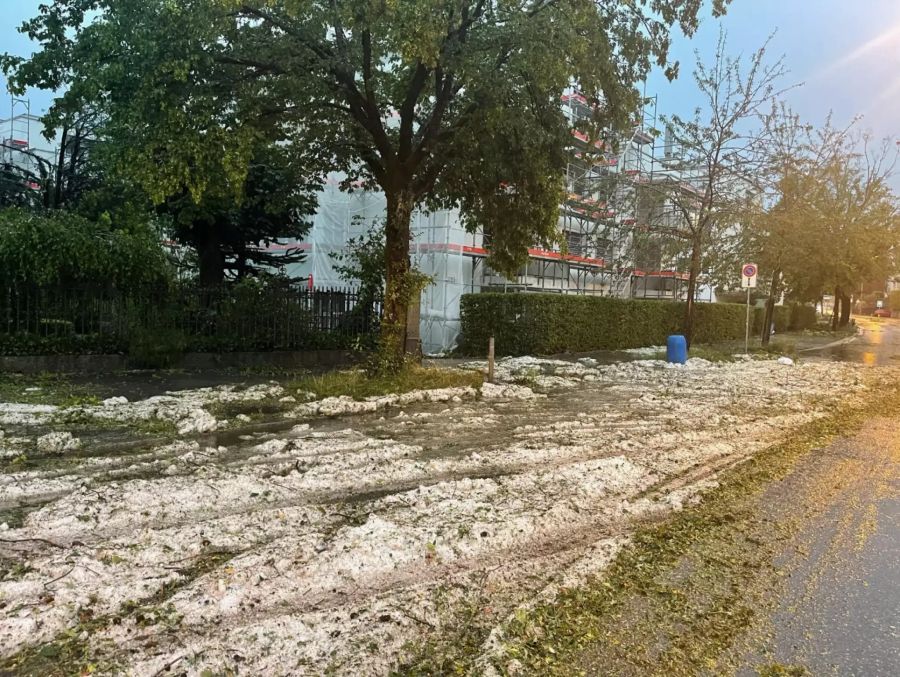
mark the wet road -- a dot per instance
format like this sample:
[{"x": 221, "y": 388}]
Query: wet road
[
  {"x": 878, "y": 343},
  {"x": 838, "y": 612}
]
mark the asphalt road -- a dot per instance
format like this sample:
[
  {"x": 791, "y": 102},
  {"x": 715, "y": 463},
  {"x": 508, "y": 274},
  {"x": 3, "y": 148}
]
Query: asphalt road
[
  {"x": 878, "y": 343},
  {"x": 839, "y": 612}
]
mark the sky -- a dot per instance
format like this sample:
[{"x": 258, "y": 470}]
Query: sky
[{"x": 845, "y": 54}]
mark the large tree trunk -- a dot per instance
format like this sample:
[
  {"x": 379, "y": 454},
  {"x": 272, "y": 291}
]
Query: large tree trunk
[
  {"x": 835, "y": 314},
  {"x": 770, "y": 308},
  {"x": 846, "y": 306},
  {"x": 210, "y": 258},
  {"x": 693, "y": 275},
  {"x": 392, "y": 347}
]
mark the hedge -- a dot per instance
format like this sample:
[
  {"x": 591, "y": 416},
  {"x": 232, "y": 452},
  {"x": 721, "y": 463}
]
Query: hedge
[
  {"x": 542, "y": 324},
  {"x": 893, "y": 300},
  {"x": 792, "y": 317},
  {"x": 549, "y": 323}
]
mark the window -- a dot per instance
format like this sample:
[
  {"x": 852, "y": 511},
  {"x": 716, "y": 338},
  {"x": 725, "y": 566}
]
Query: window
[{"x": 575, "y": 242}]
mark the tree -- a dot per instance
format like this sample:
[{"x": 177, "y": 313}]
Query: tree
[
  {"x": 851, "y": 223},
  {"x": 28, "y": 179},
  {"x": 231, "y": 235},
  {"x": 173, "y": 138},
  {"x": 19, "y": 185},
  {"x": 450, "y": 102},
  {"x": 829, "y": 222},
  {"x": 716, "y": 156},
  {"x": 766, "y": 233}
]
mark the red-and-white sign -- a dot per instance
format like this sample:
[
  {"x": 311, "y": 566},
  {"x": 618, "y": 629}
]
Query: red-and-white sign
[{"x": 748, "y": 276}]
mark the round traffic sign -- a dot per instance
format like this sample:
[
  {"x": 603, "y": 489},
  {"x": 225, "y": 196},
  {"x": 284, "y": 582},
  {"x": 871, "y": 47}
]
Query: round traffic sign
[{"x": 749, "y": 270}]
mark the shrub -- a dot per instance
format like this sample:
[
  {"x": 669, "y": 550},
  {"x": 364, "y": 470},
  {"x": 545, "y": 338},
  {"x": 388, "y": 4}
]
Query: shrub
[
  {"x": 548, "y": 323},
  {"x": 155, "y": 348},
  {"x": 61, "y": 248},
  {"x": 893, "y": 300},
  {"x": 803, "y": 317},
  {"x": 69, "y": 344},
  {"x": 792, "y": 317}
]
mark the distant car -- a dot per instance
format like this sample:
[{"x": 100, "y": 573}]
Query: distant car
[{"x": 882, "y": 312}]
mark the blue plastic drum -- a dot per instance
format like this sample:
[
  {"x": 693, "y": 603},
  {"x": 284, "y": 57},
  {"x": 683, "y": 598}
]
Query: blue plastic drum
[{"x": 676, "y": 349}]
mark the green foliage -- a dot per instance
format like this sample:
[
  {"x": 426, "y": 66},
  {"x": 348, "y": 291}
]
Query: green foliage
[
  {"x": 154, "y": 329},
  {"x": 803, "y": 317},
  {"x": 791, "y": 317},
  {"x": 362, "y": 262},
  {"x": 727, "y": 296},
  {"x": 474, "y": 88},
  {"x": 230, "y": 226},
  {"x": 537, "y": 324},
  {"x": 833, "y": 223},
  {"x": 60, "y": 248},
  {"x": 155, "y": 348},
  {"x": 67, "y": 344},
  {"x": 893, "y": 300}
]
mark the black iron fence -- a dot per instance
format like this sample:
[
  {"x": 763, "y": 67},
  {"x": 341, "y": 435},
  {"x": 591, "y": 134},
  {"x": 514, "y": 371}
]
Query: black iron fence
[{"x": 45, "y": 320}]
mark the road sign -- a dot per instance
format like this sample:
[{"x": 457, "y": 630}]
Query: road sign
[
  {"x": 748, "y": 276},
  {"x": 748, "y": 282}
]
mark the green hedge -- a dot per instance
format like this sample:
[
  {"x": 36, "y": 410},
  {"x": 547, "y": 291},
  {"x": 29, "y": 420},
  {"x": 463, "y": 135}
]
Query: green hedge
[
  {"x": 549, "y": 323},
  {"x": 803, "y": 317},
  {"x": 543, "y": 324},
  {"x": 792, "y": 317},
  {"x": 893, "y": 300}
]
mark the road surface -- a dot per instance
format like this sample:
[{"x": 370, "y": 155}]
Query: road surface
[
  {"x": 839, "y": 612},
  {"x": 878, "y": 343}
]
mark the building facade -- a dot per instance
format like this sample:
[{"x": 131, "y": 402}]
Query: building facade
[{"x": 619, "y": 237}]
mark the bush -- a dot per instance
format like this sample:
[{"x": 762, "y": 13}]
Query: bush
[
  {"x": 893, "y": 300},
  {"x": 548, "y": 323},
  {"x": 803, "y": 317},
  {"x": 61, "y": 248},
  {"x": 792, "y": 317},
  {"x": 782, "y": 318},
  {"x": 69, "y": 344},
  {"x": 156, "y": 348},
  {"x": 155, "y": 326}
]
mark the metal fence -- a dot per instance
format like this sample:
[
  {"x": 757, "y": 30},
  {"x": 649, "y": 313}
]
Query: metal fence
[{"x": 240, "y": 317}]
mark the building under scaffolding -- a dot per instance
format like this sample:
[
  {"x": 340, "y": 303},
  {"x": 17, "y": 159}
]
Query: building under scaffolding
[{"x": 620, "y": 235}]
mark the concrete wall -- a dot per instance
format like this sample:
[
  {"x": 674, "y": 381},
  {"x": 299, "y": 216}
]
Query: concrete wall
[{"x": 301, "y": 359}]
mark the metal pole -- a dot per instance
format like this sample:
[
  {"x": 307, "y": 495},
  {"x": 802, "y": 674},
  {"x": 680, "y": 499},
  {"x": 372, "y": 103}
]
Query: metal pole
[{"x": 747, "y": 334}]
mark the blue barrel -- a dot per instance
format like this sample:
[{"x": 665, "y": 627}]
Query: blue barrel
[{"x": 676, "y": 349}]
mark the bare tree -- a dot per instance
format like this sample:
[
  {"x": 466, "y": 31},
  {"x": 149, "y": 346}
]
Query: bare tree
[{"x": 715, "y": 159}]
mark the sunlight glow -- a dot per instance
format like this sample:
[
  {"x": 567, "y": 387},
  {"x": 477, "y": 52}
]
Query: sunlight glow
[{"x": 888, "y": 40}]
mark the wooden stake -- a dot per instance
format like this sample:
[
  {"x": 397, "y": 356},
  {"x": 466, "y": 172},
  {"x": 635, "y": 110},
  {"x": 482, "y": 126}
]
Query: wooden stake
[{"x": 490, "y": 374}]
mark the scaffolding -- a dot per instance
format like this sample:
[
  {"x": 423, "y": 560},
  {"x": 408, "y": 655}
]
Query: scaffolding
[
  {"x": 617, "y": 210},
  {"x": 16, "y": 131},
  {"x": 621, "y": 237}
]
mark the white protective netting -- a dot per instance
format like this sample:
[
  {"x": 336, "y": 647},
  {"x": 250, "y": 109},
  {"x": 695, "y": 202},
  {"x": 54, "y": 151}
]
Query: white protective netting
[{"x": 436, "y": 249}]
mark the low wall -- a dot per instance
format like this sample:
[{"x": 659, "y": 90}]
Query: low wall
[{"x": 286, "y": 359}]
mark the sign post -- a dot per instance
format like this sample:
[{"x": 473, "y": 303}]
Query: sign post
[{"x": 748, "y": 282}]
